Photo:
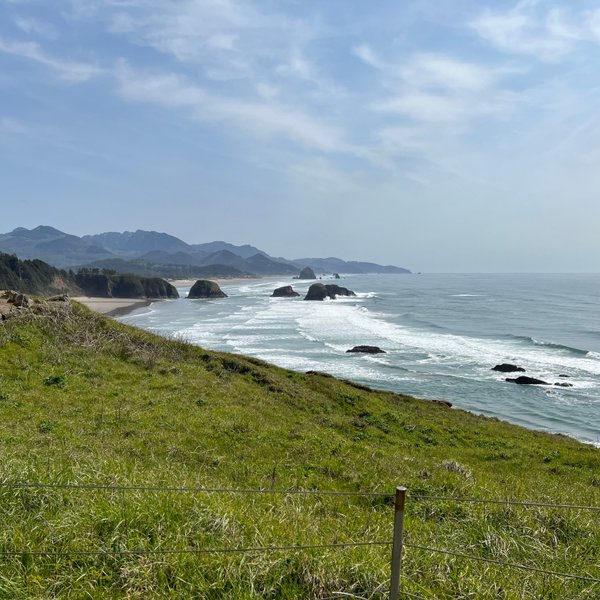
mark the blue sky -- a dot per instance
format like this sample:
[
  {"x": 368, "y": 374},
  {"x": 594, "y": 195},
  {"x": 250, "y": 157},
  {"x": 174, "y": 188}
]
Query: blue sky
[{"x": 440, "y": 136}]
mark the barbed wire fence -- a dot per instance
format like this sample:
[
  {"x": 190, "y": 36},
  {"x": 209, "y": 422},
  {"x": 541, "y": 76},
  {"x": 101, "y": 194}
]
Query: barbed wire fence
[{"x": 398, "y": 543}]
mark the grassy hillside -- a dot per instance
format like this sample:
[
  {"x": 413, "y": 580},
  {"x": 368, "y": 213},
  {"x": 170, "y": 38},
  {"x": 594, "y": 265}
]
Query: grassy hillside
[{"x": 85, "y": 400}]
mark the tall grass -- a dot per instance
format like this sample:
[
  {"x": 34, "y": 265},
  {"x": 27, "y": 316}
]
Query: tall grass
[{"x": 85, "y": 400}]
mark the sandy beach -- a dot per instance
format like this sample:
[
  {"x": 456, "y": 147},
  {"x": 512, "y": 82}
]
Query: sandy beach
[
  {"x": 113, "y": 307},
  {"x": 116, "y": 307}
]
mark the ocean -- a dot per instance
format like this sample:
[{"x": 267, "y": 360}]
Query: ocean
[{"x": 442, "y": 335}]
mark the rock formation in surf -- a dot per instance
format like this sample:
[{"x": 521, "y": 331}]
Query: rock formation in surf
[
  {"x": 286, "y": 291},
  {"x": 320, "y": 291},
  {"x": 524, "y": 380},
  {"x": 203, "y": 288},
  {"x": 367, "y": 350},
  {"x": 307, "y": 273},
  {"x": 507, "y": 368}
]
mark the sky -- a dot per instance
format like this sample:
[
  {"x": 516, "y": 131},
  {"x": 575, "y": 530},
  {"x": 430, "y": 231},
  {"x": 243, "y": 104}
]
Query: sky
[{"x": 457, "y": 136}]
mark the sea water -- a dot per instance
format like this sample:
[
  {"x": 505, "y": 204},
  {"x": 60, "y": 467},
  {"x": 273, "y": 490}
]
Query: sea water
[{"x": 442, "y": 335}]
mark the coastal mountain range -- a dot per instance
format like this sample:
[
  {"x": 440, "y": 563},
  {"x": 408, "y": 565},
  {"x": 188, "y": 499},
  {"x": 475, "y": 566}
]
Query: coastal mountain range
[{"x": 154, "y": 254}]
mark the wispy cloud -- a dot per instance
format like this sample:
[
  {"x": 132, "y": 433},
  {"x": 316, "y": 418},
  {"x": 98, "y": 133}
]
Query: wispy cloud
[
  {"x": 437, "y": 88},
  {"x": 548, "y": 33},
  {"x": 70, "y": 71},
  {"x": 226, "y": 39},
  {"x": 446, "y": 72},
  {"x": 262, "y": 118},
  {"x": 36, "y": 27},
  {"x": 368, "y": 56}
]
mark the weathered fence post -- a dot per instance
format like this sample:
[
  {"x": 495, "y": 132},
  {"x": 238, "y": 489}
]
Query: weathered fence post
[{"x": 398, "y": 539}]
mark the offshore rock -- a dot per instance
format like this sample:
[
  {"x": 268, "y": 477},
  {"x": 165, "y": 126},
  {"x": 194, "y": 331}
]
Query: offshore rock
[
  {"x": 286, "y": 291},
  {"x": 524, "y": 380},
  {"x": 307, "y": 273},
  {"x": 206, "y": 289},
  {"x": 320, "y": 291},
  {"x": 507, "y": 368},
  {"x": 367, "y": 350}
]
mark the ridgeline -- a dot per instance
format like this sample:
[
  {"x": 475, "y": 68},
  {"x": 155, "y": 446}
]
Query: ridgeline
[{"x": 85, "y": 400}]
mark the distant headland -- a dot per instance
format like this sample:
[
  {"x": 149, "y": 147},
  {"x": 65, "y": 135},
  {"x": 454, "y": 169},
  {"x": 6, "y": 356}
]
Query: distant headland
[{"x": 154, "y": 254}]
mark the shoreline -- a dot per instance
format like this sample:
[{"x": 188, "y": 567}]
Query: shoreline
[
  {"x": 119, "y": 307},
  {"x": 113, "y": 307}
]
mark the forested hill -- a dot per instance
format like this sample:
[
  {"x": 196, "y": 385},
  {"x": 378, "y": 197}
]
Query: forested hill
[{"x": 37, "y": 277}]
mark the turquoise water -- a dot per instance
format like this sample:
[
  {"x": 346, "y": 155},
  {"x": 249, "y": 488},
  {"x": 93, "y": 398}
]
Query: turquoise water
[{"x": 442, "y": 335}]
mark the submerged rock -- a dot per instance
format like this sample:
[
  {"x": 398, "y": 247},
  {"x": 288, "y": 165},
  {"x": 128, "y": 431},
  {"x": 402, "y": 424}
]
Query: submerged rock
[
  {"x": 524, "y": 380},
  {"x": 320, "y": 291},
  {"x": 307, "y": 273},
  {"x": 507, "y": 368},
  {"x": 367, "y": 350},
  {"x": 206, "y": 289},
  {"x": 336, "y": 275},
  {"x": 565, "y": 384},
  {"x": 286, "y": 291}
]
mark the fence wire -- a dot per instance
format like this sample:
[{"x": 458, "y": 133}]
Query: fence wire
[
  {"x": 215, "y": 490},
  {"x": 503, "y": 563},
  {"x": 507, "y": 502}
]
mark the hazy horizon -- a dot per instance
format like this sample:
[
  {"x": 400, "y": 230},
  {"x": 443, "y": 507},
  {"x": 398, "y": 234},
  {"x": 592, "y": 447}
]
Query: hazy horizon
[{"x": 442, "y": 138}]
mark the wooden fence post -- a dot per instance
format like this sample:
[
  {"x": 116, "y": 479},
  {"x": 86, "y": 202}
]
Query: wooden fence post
[{"x": 398, "y": 540}]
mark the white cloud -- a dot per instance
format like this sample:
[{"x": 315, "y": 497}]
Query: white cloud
[
  {"x": 36, "y": 27},
  {"x": 436, "y": 88},
  {"x": 226, "y": 38},
  {"x": 296, "y": 66},
  {"x": 449, "y": 73},
  {"x": 594, "y": 23},
  {"x": 368, "y": 56},
  {"x": 422, "y": 106},
  {"x": 548, "y": 33},
  {"x": 518, "y": 33},
  {"x": 262, "y": 118},
  {"x": 458, "y": 110},
  {"x": 70, "y": 71}
]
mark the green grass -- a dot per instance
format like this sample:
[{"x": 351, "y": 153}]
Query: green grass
[{"x": 85, "y": 400}]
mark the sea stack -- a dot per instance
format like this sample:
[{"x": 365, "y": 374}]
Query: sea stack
[
  {"x": 206, "y": 289},
  {"x": 307, "y": 273},
  {"x": 286, "y": 291},
  {"x": 320, "y": 291}
]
